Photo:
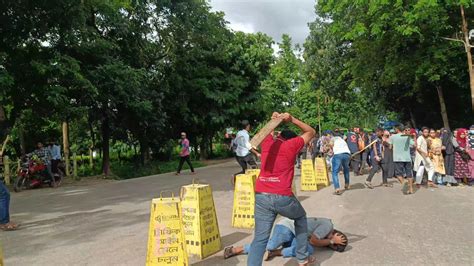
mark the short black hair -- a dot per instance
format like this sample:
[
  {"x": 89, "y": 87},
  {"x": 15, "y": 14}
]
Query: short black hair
[
  {"x": 244, "y": 123},
  {"x": 287, "y": 134},
  {"x": 338, "y": 247},
  {"x": 399, "y": 127},
  {"x": 425, "y": 128},
  {"x": 379, "y": 129}
]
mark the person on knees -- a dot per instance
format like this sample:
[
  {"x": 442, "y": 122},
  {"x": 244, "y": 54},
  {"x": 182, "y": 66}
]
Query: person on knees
[
  {"x": 376, "y": 154},
  {"x": 184, "y": 154},
  {"x": 422, "y": 159},
  {"x": 273, "y": 193},
  {"x": 283, "y": 243},
  {"x": 342, "y": 157},
  {"x": 400, "y": 145}
]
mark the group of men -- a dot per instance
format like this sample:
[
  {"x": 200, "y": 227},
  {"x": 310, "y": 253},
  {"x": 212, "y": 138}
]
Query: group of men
[
  {"x": 50, "y": 156},
  {"x": 295, "y": 234}
]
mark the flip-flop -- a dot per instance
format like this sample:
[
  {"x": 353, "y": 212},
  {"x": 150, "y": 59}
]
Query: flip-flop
[
  {"x": 368, "y": 185},
  {"x": 228, "y": 252},
  {"x": 310, "y": 260},
  {"x": 9, "y": 227}
]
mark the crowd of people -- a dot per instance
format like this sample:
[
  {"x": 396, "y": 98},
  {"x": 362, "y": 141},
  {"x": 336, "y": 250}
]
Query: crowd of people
[
  {"x": 296, "y": 234},
  {"x": 403, "y": 152}
]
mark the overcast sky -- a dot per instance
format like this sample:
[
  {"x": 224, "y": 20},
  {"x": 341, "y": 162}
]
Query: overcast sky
[{"x": 273, "y": 17}]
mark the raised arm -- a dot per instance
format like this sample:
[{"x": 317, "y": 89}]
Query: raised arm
[{"x": 308, "y": 131}]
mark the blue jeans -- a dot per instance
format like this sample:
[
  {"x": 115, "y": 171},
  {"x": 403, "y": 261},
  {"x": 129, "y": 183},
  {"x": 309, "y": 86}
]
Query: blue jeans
[
  {"x": 267, "y": 207},
  {"x": 4, "y": 204},
  {"x": 282, "y": 237},
  {"x": 338, "y": 160}
]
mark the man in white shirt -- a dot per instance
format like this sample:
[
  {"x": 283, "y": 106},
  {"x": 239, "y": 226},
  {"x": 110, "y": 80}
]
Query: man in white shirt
[
  {"x": 244, "y": 149},
  {"x": 422, "y": 159},
  {"x": 342, "y": 157}
]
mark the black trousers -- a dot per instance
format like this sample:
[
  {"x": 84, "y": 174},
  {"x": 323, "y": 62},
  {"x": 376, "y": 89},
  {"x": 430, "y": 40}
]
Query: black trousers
[
  {"x": 244, "y": 161},
  {"x": 181, "y": 162},
  {"x": 54, "y": 166},
  {"x": 375, "y": 167}
]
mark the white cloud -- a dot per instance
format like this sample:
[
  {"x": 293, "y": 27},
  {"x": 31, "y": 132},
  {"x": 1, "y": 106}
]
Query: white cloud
[{"x": 273, "y": 17}]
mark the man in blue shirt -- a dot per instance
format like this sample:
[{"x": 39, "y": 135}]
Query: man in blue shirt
[
  {"x": 55, "y": 150},
  {"x": 351, "y": 140}
]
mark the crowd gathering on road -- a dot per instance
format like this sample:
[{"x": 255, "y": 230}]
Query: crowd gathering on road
[{"x": 402, "y": 152}]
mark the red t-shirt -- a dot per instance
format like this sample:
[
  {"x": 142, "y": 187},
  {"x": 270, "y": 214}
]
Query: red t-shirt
[{"x": 278, "y": 165}]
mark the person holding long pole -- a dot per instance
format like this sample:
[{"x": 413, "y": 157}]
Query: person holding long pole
[{"x": 274, "y": 195}]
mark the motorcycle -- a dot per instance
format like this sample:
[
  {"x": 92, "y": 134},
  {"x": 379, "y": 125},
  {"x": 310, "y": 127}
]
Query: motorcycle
[{"x": 33, "y": 174}]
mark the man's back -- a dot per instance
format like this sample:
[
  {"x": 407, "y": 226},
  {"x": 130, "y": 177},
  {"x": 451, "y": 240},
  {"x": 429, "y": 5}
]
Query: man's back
[
  {"x": 401, "y": 147},
  {"x": 242, "y": 139},
  {"x": 352, "y": 142},
  {"x": 277, "y": 170}
]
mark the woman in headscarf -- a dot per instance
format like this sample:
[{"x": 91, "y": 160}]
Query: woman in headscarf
[
  {"x": 461, "y": 168},
  {"x": 470, "y": 150},
  {"x": 448, "y": 154},
  {"x": 434, "y": 149}
]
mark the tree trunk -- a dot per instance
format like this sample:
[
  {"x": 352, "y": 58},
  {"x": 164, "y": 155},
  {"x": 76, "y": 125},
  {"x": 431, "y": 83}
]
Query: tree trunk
[
  {"x": 21, "y": 134},
  {"x": 412, "y": 117},
  {"x": 66, "y": 146},
  {"x": 144, "y": 151},
  {"x": 469, "y": 55},
  {"x": 210, "y": 147},
  {"x": 444, "y": 113},
  {"x": 204, "y": 149},
  {"x": 105, "y": 146}
]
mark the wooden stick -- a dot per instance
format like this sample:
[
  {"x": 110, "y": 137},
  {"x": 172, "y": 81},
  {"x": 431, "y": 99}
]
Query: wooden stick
[
  {"x": 370, "y": 144},
  {"x": 4, "y": 145},
  {"x": 263, "y": 133}
]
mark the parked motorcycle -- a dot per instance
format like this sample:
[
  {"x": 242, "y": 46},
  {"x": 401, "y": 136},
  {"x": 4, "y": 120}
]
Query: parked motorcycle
[{"x": 33, "y": 174}]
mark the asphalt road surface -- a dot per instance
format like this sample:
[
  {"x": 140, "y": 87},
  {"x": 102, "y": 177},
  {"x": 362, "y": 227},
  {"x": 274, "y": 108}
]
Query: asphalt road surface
[{"x": 107, "y": 223}]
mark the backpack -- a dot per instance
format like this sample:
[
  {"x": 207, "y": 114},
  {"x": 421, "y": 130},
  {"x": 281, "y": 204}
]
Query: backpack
[{"x": 361, "y": 142}]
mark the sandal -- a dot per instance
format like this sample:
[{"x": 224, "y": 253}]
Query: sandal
[
  {"x": 9, "y": 227},
  {"x": 369, "y": 185},
  {"x": 228, "y": 252},
  {"x": 310, "y": 260},
  {"x": 338, "y": 192},
  {"x": 270, "y": 255}
]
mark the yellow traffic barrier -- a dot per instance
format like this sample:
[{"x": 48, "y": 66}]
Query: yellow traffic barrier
[
  {"x": 244, "y": 201},
  {"x": 201, "y": 230},
  {"x": 166, "y": 244},
  {"x": 252, "y": 172},
  {"x": 321, "y": 171},
  {"x": 308, "y": 179}
]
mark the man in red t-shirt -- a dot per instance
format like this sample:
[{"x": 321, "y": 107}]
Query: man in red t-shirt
[{"x": 273, "y": 190}]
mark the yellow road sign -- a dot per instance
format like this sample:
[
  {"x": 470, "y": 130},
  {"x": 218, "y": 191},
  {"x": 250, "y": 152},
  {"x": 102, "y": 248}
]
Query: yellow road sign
[
  {"x": 308, "y": 179},
  {"x": 321, "y": 171},
  {"x": 244, "y": 201},
  {"x": 166, "y": 235},
  {"x": 201, "y": 230}
]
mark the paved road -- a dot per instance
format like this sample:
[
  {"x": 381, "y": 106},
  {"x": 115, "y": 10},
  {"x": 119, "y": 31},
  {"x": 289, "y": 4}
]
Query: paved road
[{"x": 106, "y": 224}]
